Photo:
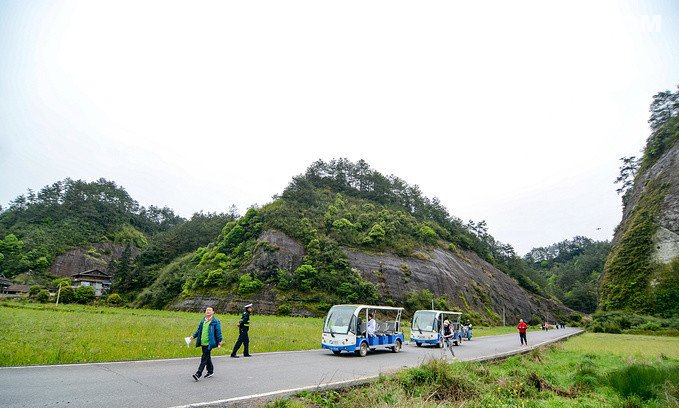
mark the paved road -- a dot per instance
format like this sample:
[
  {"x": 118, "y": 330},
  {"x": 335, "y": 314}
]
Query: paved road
[{"x": 167, "y": 383}]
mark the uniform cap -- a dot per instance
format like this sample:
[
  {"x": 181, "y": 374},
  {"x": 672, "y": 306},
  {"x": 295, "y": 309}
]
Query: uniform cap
[{"x": 248, "y": 305}]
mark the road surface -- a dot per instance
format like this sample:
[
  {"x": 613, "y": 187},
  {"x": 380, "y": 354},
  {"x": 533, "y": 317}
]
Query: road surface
[{"x": 243, "y": 381}]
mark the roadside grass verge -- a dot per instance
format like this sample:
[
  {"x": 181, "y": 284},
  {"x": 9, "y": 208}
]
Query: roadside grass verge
[
  {"x": 48, "y": 334},
  {"x": 591, "y": 370}
]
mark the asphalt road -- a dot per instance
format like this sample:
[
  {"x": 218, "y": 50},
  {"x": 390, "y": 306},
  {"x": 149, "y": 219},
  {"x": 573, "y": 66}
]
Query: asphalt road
[{"x": 243, "y": 381}]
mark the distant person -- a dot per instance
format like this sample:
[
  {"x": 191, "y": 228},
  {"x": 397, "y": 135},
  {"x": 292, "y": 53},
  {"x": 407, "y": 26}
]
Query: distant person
[
  {"x": 371, "y": 327},
  {"x": 243, "y": 338},
  {"x": 208, "y": 336},
  {"x": 448, "y": 336},
  {"x": 468, "y": 329},
  {"x": 522, "y": 332}
]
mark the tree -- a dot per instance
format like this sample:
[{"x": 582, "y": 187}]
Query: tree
[
  {"x": 665, "y": 105},
  {"x": 628, "y": 171}
]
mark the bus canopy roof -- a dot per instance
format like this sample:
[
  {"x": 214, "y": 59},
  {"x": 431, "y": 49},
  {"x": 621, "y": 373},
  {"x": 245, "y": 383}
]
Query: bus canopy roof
[
  {"x": 374, "y": 307},
  {"x": 440, "y": 311}
]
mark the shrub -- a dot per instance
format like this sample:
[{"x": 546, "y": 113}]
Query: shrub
[
  {"x": 67, "y": 295},
  {"x": 34, "y": 290},
  {"x": 283, "y": 310},
  {"x": 612, "y": 327},
  {"x": 114, "y": 299},
  {"x": 651, "y": 326},
  {"x": 84, "y": 294},
  {"x": 43, "y": 296},
  {"x": 247, "y": 285}
]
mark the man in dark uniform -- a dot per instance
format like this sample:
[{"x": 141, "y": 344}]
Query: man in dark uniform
[{"x": 243, "y": 327}]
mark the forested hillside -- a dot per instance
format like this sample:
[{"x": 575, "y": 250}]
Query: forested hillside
[
  {"x": 341, "y": 232},
  {"x": 38, "y": 227},
  {"x": 572, "y": 269},
  {"x": 333, "y": 210}
]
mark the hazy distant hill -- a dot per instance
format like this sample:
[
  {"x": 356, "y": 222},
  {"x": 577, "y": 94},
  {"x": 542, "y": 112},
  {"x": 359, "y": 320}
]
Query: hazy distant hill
[{"x": 642, "y": 270}]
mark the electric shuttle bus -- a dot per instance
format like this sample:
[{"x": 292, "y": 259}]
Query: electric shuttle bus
[
  {"x": 427, "y": 327},
  {"x": 349, "y": 328}
]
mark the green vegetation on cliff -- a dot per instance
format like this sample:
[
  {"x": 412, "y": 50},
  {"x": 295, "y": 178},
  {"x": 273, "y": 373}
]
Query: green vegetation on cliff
[
  {"x": 632, "y": 280},
  {"x": 629, "y": 269},
  {"x": 336, "y": 205}
]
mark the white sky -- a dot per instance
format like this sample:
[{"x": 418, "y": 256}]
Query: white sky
[{"x": 512, "y": 112}]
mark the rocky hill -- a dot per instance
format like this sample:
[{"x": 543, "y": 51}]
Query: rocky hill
[
  {"x": 330, "y": 239},
  {"x": 642, "y": 270},
  {"x": 465, "y": 281}
]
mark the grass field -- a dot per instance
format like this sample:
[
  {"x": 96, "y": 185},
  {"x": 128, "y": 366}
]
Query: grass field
[
  {"x": 591, "y": 370},
  {"x": 47, "y": 334}
]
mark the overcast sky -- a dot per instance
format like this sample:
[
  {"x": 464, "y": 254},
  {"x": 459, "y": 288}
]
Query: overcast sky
[{"x": 512, "y": 112}]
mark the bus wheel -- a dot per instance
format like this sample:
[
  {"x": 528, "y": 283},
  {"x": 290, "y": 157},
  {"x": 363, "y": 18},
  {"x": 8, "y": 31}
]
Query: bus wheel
[
  {"x": 419, "y": 344},
  {"x": 397, "y": 346},
  {"x": 336, "y": 352},
  {"x": 363, "y": 350}
]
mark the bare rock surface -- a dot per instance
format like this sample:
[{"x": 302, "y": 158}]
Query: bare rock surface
[
  {"x": 96, "y": 256},
  {"x": 465, "y": 279}
]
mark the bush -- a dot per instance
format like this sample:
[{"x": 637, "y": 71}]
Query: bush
[
  {"x": 651, "y": 326},
  {"x": 67, "y": 295},
  {"x": 114, "y": 299},
  {"x": 612, "y": 327},
  {"x": 283, "y": 310},
  {"x": 34, "y": 290},
  {"x": 247, "y": 285},
  {"x": 43, "y": 296},
  {"x": 84, "y": 294}
]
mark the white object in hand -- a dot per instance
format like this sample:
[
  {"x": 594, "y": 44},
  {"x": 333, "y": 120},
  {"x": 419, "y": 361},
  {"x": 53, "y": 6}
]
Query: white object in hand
[{"x": 188, "y": 341}]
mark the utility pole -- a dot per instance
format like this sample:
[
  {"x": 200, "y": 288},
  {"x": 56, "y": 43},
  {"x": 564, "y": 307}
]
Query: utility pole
[
  {"x": 59, "y": 293},
  {"x": 504, "y": 323}
]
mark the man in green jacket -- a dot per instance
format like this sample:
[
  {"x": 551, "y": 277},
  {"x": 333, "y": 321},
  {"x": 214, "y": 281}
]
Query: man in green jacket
[{"x": 208, "y": 336}]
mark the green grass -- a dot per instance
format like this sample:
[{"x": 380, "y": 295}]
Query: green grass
[
  {"x": 591, "y": 370},
  {"x": 48, "y": 334}
]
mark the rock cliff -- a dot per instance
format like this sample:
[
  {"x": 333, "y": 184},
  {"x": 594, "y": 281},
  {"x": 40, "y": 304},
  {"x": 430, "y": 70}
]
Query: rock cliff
[
  {"x": 642, "y": 270},
  {"x": 469, "y": 283},
  {"x": 97, "y": 256}
]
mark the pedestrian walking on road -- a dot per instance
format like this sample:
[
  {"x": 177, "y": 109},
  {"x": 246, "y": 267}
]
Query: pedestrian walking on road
[
  {"x": 448, "y": 334},
  {"x": 522, "y": 332},
  {"x": 208, "y": 336},
  {"x": 243, "y": 338}
]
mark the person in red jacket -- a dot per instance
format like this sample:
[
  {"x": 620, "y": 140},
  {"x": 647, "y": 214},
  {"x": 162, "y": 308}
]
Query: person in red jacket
[{"x": 522, "y": 332}]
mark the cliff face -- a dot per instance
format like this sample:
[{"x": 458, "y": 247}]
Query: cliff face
[
  {"x": 642, "y": 270},
  {"x": 469, "y": 283},
  {"x": 82, "y": 259}
]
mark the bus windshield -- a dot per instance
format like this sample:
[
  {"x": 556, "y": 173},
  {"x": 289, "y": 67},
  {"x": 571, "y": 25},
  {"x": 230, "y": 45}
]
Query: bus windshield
[
  {"x": 338, "y": 319},
  {"x": 424, "y": 321}
]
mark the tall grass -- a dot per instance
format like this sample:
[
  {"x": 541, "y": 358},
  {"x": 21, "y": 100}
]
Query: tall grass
[
  {"x": 642, "y": 380},
  {"x": 49, "y": 334}
]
